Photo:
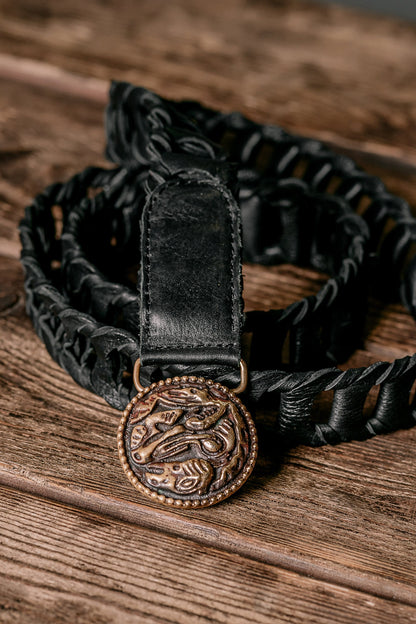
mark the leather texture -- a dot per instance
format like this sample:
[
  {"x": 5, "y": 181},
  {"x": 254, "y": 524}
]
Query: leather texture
[{"x": 190, "y": 287}]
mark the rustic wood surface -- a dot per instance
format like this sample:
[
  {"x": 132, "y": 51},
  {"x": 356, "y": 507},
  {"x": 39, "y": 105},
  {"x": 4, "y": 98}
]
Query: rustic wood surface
[
  {"x": 316, "y": 535},
  {"x": 80, "y": 570}
]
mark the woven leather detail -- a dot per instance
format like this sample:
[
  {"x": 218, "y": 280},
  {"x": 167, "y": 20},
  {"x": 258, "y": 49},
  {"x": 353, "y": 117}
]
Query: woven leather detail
[{"x": 84, "y": 307}]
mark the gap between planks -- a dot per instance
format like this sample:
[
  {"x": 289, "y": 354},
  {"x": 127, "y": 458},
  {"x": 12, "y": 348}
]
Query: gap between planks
[
  {"x": 195, "y": 530},
  {"x": 44, "y": 75}
]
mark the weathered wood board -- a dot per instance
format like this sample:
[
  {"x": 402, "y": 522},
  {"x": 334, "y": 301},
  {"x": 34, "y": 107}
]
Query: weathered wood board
[
  {"x": 90, "y": 568},
  {"x": 317, "y": 534}
]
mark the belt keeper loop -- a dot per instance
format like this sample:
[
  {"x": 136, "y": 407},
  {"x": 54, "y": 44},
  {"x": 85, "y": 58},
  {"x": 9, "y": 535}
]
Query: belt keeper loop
[
  {"x": 346, "y": 417},
  {"x": 392, "y": 406}
]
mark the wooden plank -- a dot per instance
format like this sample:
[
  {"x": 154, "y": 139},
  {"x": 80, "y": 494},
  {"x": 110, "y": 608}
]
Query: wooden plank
[
  {"x": 343, "y": 515},
  {"x": 328, "y": 512},
  {"x": 319, "y": 69},
  {"x": 58, "y": 80},
  {"x": 90, "y": 568}
]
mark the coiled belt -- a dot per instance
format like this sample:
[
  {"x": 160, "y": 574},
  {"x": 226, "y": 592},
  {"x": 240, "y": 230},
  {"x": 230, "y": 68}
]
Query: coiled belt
[{"x": 170, "y": 212}]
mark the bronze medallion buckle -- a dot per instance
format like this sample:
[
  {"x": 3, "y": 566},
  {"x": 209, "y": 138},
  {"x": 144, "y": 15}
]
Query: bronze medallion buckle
[{"x": 187, "y": 441}]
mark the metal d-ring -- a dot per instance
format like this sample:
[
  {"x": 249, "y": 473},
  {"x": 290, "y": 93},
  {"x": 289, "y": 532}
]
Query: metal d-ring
[{"x": 240, "y": 388}]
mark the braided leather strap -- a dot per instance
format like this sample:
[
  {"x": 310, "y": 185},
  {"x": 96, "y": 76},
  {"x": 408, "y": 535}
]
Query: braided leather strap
[{"x": 83, "y": 302}]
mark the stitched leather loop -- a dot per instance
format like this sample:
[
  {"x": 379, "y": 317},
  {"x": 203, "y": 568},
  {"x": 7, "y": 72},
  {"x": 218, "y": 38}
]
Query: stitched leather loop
[{"x": 190, "y": 289}]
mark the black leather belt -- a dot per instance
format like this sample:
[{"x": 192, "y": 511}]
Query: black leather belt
[{"x": 171, "y": 209}]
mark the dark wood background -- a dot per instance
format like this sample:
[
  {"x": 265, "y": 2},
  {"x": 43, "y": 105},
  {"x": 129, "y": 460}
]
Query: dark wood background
[{"x": 317, "y": 535}]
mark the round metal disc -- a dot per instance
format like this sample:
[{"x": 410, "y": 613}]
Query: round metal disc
[{"x": 187, "y": 442}]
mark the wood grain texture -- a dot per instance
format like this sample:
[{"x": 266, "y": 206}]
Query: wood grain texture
[
  {"x": 61, "y": 565},
  {"x": 321, "y": 69},
  {"x": 317, "y": 535},
  {"x": 44, "y": 138}
]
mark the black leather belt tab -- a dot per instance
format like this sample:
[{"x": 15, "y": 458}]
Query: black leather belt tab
[{"x": 190, "y": 285}]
